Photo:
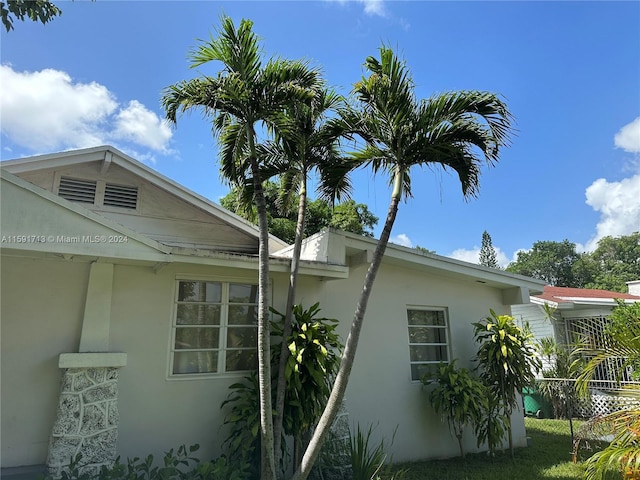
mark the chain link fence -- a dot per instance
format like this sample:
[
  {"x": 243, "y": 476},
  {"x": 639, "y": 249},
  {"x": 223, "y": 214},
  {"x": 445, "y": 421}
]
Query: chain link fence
[{"x": 558, "y": 399}]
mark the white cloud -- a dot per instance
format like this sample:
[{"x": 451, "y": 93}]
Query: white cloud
[
  {"x": 374, "y": 7},
  {"x": 140, "y": 125},
  {"x": 618, "y": 205},
  {"x": 628, "y": 138},
  {"x": 47, "y": 110},
  {"x": 371, "y": 7},
  {"x": 473, "y": 256},
  {"x": 402, "y": 239}
]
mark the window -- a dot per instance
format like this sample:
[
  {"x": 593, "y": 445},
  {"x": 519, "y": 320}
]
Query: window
[
  {"x": 215, "y": 328},
  {"x": 428, "y": 340}
]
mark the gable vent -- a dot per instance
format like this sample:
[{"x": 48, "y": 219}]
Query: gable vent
[
  {"x": 120, "y": 196},
  {"x": 77, "y": 190}
]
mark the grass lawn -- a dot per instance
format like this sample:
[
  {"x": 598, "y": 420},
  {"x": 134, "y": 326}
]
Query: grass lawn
[{"x": 548, "y": 457}]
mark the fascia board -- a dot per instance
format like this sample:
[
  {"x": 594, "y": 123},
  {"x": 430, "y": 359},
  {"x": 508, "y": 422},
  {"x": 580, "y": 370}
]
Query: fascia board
[{"x": 477, "y": 272}]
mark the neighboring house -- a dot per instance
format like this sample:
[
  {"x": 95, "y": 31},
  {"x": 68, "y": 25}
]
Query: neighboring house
[
  {"x": 576, "y": 313},
  {"x": 128, "y": 308}
]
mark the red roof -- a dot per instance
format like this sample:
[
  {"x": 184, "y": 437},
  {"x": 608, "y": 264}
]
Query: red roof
[{"x": 562, "y": 294}]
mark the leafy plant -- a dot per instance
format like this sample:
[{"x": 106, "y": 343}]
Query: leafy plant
[
  {"x": 177, "y": 464},
  {"x": 507, "y": 360},
  {"x": 314, "y": 348},
  {"x": 622, "y": 342},
  {"x": 459, "y": 397},
  {"x": 367, "y": 461},
  {"x": 243, "y": 442}
]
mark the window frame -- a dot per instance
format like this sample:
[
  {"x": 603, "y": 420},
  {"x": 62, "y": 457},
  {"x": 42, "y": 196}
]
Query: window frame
[
  {"x": 222, "y": 348},
  {"x": 445, "y": 328}
]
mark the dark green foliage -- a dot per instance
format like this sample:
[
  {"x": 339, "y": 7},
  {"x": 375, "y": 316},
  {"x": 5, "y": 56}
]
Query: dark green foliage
[
  {"x": 552, "y": 262},
  {"x": 243, "y": 442},
  {"x": 562, "y": 364},
  {"x": 488, "y": 256},
  {"x": 177, "y": 464},
  {"x": 459, "y": 397},
  {"x": 615, "y": 262},
  {"x": 621, "y": 344},
  {"x": 36, "y": 10},
  {"x": 348, "y": 216},
  {"x": 369, "y": 462},
  {"x": 314, "y": 359},
  {"x": 507, "y": 361}
]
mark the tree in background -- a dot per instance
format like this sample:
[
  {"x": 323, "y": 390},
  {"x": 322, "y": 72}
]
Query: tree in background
[
  {"x": 454, "y": 130},
  {"x": 614, "y": 262},
  {"x": 488, "y": 256},
  {"x": 552, "y": 262},
  {"x": 348, "y": 215},
  {"x": 36, "y": 10}
]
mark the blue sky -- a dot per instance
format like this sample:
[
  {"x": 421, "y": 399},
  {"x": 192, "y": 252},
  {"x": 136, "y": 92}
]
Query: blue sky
[{"x": 569, "y": 71}]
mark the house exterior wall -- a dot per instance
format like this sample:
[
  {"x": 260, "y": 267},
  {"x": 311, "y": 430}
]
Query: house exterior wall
[
  {"x": 159, "y": 412},
  {"x": 380, "y": 392},
  {"x": 41, "y": 314}
]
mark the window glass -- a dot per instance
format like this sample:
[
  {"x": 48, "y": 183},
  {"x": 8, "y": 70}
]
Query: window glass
[
  {"x": 428, "y": 341},
  {"x": 215, "y": 328}
]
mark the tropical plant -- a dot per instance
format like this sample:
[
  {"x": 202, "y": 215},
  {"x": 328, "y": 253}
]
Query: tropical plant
[
  {"x": 622, "y": 343},
  {"x": 243, "y": 418},
  {"x": 459, "y": 397},
  {"x": 244, "y": 94},
  {"x": 311, "y": 361},
  {"x": 369, "y": 462},
  {"x": 561, "y": 367},
  {"x": 507, "y": 361},
  {"x": 178, "y": 464},
  {"x": 455, "y": 130}
]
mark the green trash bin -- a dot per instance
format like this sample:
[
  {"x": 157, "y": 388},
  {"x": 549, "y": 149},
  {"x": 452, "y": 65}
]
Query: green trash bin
[{"x": 535, "y": 405}]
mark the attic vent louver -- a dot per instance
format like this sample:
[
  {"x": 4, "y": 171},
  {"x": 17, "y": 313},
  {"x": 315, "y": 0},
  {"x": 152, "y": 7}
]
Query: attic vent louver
[
  {"x": 120, "y": 196},
  {"x": 77, "y": 190}
]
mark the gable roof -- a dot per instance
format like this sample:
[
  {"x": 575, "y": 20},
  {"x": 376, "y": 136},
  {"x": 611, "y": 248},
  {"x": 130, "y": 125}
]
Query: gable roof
[
  {"x": 566, "y": 297},
  {"x": 109, "y": 155}
]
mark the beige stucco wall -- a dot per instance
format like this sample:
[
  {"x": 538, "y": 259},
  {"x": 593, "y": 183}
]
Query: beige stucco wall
[
  {"x": 41, "y": 312},
  {"x": 381, "y": 392},
  {"x": 42, "y": 309}
]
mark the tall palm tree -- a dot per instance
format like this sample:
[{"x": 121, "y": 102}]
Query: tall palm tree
[
  {"x": 456, "y": 130},
  {"x": 244, "y": 94},
  {"x": 305, "y": 141}
]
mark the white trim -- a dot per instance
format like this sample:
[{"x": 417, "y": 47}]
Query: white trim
[{"x": 92, "y": 360}]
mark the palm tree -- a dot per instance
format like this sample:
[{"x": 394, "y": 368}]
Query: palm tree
[
  {"x": 450, "y": 130},
  {"x": 244, "y": 94},
  {"x": 621, "y": 343},
  {"x": 304, "y": 141}
]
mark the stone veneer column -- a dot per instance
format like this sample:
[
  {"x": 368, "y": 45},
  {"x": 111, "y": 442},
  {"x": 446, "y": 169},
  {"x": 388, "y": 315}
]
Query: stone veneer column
[{"x": 87, "y": 418}]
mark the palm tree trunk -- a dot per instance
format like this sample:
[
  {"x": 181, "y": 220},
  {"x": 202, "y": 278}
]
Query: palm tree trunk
[
  {"x": 264, "y": 346},
  {"x": 348, "y": 357},
  {"x": 286, "y": 332}
]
